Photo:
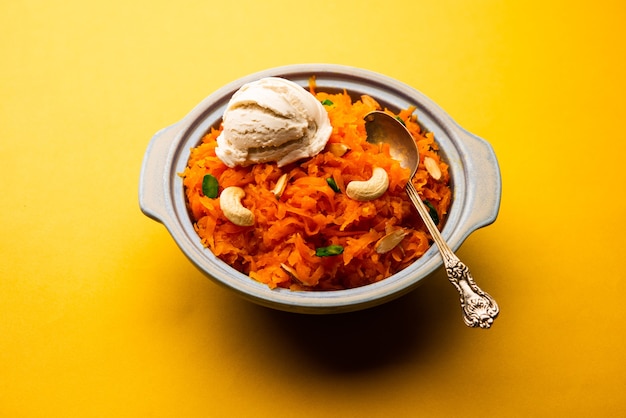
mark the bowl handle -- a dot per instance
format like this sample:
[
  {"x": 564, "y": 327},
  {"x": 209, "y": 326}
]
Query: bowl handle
[
  {"x": 484, "y": 172},
  {"x": 152, "y": 180}
]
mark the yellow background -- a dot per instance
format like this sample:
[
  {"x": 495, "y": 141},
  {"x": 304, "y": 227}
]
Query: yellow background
[{"x": 102, "y": 316}]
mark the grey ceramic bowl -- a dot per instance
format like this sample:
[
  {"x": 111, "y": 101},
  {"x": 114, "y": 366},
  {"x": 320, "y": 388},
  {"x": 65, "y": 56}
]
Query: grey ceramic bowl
[{"x": 474, "y": 170}]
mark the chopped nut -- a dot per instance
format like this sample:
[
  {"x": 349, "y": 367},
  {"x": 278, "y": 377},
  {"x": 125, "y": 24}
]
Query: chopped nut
[
  {"x": 280, "y": 186},
  {"x": 338, "y": 149},
  {"x": 432, "y": 168},
  {"x": 370, "y": 189},
  {"x": 230, "y": 203},
  {"x": 390, "y": 241},
  {"x": 290, "y": 271}
]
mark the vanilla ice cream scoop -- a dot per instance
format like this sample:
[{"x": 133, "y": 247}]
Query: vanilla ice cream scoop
[{"x": 272, "y": 120}]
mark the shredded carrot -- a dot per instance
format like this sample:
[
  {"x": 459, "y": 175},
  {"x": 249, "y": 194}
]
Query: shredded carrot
[{"x": 280, "y": 248}]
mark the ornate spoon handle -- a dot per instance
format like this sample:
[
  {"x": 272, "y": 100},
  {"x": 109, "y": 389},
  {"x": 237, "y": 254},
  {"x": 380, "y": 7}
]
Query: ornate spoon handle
[{"x": 479, "y": 308}]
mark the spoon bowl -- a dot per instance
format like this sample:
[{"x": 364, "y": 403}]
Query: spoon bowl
[
  {"x": 479, "y": 308},
  {"x": 384, "y": 128}
]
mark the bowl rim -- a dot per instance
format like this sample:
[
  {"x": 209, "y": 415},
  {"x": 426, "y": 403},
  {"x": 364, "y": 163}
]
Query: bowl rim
[{"x": 457, "y": 146}]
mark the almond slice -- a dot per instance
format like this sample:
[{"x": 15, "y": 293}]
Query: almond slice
[
  {"x": 432, "y": 167},
  {"x": 338, "y": 149},
  {"x": 390, "y": 241},
  {"x": 280, "y": 186},
  {"x": 290, "y": 271}
]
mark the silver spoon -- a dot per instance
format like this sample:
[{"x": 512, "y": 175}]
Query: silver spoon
[{"x": 479, "y": 309}]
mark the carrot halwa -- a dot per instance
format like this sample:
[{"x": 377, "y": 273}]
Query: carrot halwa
[{"x": 311, "y": 235}]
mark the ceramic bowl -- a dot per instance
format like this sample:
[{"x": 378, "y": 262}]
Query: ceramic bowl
[{"x": 474, "y": 170}]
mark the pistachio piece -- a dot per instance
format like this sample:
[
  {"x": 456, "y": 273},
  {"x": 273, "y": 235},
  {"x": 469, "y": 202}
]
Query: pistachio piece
[
  {"x": 432, "y": 167},
  {"x": 370, "y": 189},
  {"x": 230, "y": 203},
  {"x": 390, "y": 241}
]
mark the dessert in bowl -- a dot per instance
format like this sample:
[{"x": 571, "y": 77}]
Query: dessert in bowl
[{"x": 474, "y": 184}]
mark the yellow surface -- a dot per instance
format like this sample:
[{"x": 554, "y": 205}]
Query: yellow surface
[{"x": 102, "y": 316}]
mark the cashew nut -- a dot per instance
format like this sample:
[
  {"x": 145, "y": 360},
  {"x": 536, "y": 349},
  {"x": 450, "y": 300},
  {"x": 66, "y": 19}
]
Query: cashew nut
[
  {"x": 230, "y": 203},
  {"x": 370, "y": 189}
]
